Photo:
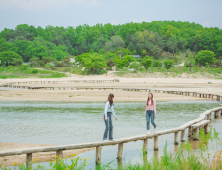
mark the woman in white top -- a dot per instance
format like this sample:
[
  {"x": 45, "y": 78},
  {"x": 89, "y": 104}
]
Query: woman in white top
[{"x": 109, "y": 111}]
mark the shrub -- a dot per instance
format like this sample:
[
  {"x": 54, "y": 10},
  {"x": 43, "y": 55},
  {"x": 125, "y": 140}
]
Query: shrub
[{"x": 35, "y": 71}]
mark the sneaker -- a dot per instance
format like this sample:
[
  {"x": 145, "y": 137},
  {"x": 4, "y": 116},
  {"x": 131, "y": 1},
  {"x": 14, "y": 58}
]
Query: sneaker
[
  {"x": 104, "y": 140},
  {"x": 148, "y": 132},
  {"x": 112, "y": 139}
]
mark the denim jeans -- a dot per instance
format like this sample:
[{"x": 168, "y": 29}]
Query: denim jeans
[
  {"x": 109, "y": 127},
  {"x": 150, "y": 113}
]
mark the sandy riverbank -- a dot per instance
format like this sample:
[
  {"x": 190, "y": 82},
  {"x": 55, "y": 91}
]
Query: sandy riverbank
[
  {"x": 182, "y": 84},
  {"x": 42, "y": 156}
]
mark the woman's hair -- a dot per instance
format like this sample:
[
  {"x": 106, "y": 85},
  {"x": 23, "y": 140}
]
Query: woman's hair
[
  {"x": 147, "y": 103},
  {"x": 110, "y": 99}
]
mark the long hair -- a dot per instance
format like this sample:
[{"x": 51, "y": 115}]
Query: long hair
[
  {"x": 110, "y": 99},
  {"x": 147, "y": 103}
]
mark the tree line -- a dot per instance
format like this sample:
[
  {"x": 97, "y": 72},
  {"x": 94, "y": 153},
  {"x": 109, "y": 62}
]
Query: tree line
[{"x": 156, "y": 39}]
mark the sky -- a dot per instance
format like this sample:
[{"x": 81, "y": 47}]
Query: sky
[{"x": 78, "y": 12}]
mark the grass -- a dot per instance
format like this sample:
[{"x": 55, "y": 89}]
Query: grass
[
  {"x": 27, "y": 72},
  {"x": 196, "y": 72},
  {"x": 78, "y": 70},
  {"x": 183, "y": 159}
]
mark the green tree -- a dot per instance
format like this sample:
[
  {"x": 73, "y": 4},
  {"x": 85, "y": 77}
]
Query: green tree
[
  {"x": 138, "y": 49},
  {"x": 127, "y": 51},
  {"x": 205, "y": 57},
  {"x": 157, "y": 63},
  {"x": 94, "y": 62},
  {"x": 109, "y": 55},
  {"x": 34, "y": 62},
  {"x": 7, "y": 57},
  {"x": 190, "y": 61},
  {"x": 17, "y": 62},
  {"x": 135, "y": 65},
  {"x": 79, "y": 58},
  {"x": 66, "y": 61},
  {"x": 131, "y": 46},
  {"x": 144, "y": 53},
  {"x": 110, "y": 62},
  {"x": 128, "y": 59},
  {"x": 120, "y": 63},
  {"x": 147, "y": 62},
  {"x": 168, "y": 64},
  {"x": 4, "y": 45},
  {"x": 115, "y": 43},
  {"x": 57, "y": 54}
]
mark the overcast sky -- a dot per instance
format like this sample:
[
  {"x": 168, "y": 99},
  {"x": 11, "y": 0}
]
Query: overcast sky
[{"x": 77, "y": 12}]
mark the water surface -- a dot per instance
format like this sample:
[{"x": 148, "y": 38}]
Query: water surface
[{"x": 60, "y": 123}]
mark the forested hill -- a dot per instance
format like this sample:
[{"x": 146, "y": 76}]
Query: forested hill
[{"x": 153, "y": 38}]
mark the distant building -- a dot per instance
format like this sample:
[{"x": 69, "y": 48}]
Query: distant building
[
  {"x": 136, "y": 56},
  {"x": 26, "y": 63},
  {"x": 72, "y": 60}
]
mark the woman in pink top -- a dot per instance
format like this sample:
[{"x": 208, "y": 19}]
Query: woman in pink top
[{"x": 150, "y": 112}]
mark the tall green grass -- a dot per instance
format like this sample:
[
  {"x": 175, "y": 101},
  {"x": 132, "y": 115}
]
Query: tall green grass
[
  {"x": 210, "y": 72},
  {"x": 27, "y": 72},
  {"x": 78, "y": 70}
]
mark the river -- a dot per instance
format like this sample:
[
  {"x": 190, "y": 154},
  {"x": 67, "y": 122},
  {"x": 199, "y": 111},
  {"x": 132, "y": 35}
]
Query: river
[{"x": 61, "y": 123}]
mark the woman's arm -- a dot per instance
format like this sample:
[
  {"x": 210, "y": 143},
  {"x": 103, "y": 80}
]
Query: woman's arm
[
  {"x": 146, "y": 108},
  {"x": 113, "y": 111},
  {"x": 154, "y": 106},
  {"x": 106, "y": 107}
]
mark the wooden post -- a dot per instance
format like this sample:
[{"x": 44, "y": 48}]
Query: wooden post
[
  {"x": 215, "y": 114},
  {"x": 189, "y": 131},
  {"x": 58, "y": 155},
  {"x": 29, "y": 160},
  {"x": 176, "y": 139},
  {"x": 120, "y": 151},
  {"x": 156, "y": 143},
  {"x": 145, "y": 146},
  {"x": 206, "y": 129},
  {"x": 208, "y": 116},
  {"x": 98, "y": 154},
  {"x": 195, "y": 131},
  {"x": 183, "y": 135}
]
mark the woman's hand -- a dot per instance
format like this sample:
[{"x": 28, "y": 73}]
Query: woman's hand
[
  {"x": 105, "y": 118},
  {"x": 155, "y": 114},
  {"x": 116, "y": 118}
]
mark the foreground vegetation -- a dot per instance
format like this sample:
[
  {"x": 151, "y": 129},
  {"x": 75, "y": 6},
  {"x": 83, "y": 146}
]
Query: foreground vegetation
[
  {"x": 184, "y": 158},
  {"x": 27, "y": 72}
]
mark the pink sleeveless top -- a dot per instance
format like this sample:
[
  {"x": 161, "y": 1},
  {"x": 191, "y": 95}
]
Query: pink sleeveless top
[{"x": 151, "y": 107}]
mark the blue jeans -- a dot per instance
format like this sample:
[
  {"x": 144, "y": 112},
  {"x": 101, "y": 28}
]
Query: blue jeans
[
  {"x": 150, "y": 113},
  {"x": 109, "y": 127}
]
